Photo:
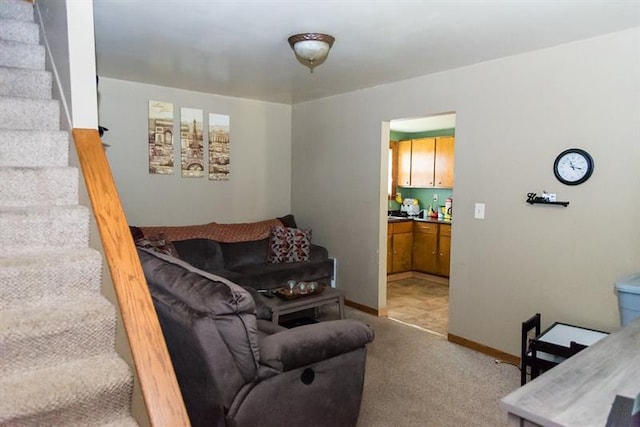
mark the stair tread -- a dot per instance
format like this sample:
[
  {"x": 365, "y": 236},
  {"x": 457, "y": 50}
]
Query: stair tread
[
  {"x": 43, "y": 229},
  {"x": 56, "y": 387},
  {"x": 17, "y": 30},
  {"x": 40, "y": 210},
  {"x": 22, "y": 55},
  {"x": 121, "y": 422},
  {"x": 34, "y": 337},
  {"x": 50, "y": 259},
  {"x": 16, "y": 9},
  {"x": 25, "y": 83},
  {"x": 47, "y": 278},
  {"x": 34, "y": 147},
  {"x": 40, "y": 320},
  {"x": 38, "y": 186},
  {"x": 29, "y": 113}
]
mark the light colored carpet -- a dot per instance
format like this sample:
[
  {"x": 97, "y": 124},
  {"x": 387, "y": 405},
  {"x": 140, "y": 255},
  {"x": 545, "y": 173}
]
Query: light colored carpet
[{"x": 414, "y": 378}]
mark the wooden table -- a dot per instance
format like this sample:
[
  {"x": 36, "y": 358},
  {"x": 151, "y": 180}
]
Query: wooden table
[
  {"x": 329, "y": 295},
  {"x": 581, "y": 390}
]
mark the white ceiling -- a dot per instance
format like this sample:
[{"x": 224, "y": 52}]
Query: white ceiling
[{"x": 239, "y": 48}]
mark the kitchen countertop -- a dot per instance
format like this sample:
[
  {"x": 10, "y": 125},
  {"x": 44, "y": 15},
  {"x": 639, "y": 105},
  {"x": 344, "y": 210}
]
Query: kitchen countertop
[{"x": 404, "y": 219}]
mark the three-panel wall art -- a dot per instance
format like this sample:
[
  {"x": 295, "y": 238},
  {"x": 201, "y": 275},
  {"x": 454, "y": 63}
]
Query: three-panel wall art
[{"x": 192, "y": 142}]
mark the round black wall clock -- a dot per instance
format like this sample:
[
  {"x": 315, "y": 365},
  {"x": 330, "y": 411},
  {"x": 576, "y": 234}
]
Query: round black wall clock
[{"x": 573, "y": 166}]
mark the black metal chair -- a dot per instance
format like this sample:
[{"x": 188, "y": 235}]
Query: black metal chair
[
  {"x": 527, "y": 358},
  {"x": 540, "y": 356}
]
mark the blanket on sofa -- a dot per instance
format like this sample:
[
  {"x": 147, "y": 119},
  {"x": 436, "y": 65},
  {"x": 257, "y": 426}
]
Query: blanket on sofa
[{"x": 226, "y": 233}]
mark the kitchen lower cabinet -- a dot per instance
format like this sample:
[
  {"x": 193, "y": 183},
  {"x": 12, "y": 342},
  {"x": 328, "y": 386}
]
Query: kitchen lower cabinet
[
  {"x": 425, "y": 246},
  {"x": 399, "y": 246},
  {"x": 432, "y": 248},
  {"x": 444, "y": 250}
]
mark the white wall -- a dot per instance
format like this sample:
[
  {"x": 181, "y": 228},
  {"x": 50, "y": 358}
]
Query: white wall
[
  {"x": 67, "y": 34},
  {"x": 260, "y": 180},
  {"x": 514, "y": 115}
]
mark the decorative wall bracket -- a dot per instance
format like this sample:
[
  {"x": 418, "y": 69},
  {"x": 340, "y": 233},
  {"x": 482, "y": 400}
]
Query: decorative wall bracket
[{"x": 532, "y": 199}]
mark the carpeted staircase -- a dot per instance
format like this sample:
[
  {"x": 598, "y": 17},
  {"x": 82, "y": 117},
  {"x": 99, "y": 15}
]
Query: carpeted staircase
[{"x": 58, "y": 364}]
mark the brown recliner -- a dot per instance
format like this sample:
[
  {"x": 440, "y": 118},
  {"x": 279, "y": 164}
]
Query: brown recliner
[{"x": 236, "y": 370}]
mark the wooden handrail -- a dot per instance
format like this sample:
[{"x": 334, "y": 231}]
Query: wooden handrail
[{"x": 150, "y": 355}]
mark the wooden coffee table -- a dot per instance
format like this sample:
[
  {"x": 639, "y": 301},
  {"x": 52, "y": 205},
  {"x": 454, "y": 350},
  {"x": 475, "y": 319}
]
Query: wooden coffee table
[{"x": 279, "y": 306}]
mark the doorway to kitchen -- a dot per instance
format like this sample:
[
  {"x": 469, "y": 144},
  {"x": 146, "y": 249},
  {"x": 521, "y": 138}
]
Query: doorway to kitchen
[{"x": 419, "y": 220}]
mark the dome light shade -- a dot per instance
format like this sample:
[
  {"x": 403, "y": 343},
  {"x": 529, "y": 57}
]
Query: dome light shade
[{"x": 311, "y": 49}]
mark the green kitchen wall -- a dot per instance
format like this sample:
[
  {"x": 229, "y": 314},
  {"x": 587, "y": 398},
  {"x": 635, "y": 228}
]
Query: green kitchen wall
[{"x": 425, "y": 197}]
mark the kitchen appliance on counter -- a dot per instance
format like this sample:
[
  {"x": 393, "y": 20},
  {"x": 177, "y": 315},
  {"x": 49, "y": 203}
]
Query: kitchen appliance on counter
[
  {"x": 410, "y": 206},
  {"x": 448, "y": 205}
]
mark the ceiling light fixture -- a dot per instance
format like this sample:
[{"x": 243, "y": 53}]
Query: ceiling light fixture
[{"x": 311, "y": 48}]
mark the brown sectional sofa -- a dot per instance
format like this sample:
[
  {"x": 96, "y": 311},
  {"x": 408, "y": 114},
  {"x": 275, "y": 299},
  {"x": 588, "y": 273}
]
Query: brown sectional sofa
[{"x": 238, "y": 252}]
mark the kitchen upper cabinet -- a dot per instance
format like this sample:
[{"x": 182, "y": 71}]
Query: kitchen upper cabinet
[
  {"x": 443, "y": 164},
  {"x": 404, "y": 163},
  {"x": 422, "y": 162},
  {"x": 399, "y": 246},
  {"x": 426, "y": 162}
]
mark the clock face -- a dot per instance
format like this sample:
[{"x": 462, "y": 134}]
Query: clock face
[{"x": 573, "y": 166}]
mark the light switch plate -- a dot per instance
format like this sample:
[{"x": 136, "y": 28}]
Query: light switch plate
[{"x": 479, "y": 211}]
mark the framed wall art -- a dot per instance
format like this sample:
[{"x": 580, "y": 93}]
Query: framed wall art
[
  {"x": 219, "y": 153},
  {"x": 160, "y": 138},
  {"x": 191, "y": 143}
]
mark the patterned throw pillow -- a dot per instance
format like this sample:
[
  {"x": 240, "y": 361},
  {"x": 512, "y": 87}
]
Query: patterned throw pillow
[{"x": 288, "y": 245}]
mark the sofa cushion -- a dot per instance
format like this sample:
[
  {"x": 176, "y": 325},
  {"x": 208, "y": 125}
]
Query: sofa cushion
[
  {"x": 270, "y": 276},
  {"x": 203, "y": 254},
  {"x": 288, "y": 244},
  {"x": 244, "y": 253}
]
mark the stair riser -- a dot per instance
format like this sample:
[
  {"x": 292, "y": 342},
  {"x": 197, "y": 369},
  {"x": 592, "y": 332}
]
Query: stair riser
[
  {"x": 49, "y": 279},
  {"x": 57, "y": 340},
  {"x": 19, "y": 31},
  {"x": 21, "y": 55},
  {"x": 24, "y": 232},
  {"x": 20, "y": 83},
  {"x": 19, "y": 113},
  {"x": 16, "y": 9},
  {"x": 33, "y": 149},
  {"x": 23, "y": 187}
]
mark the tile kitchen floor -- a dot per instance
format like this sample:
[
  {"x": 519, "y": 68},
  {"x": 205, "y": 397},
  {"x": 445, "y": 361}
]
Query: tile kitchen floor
[{"x": 423, "y": 302}]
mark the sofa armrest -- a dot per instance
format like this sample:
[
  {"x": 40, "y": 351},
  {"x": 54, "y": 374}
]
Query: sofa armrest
[
  {"x": 309, "y": 344},
  {"x": 318, "y": 253}
]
